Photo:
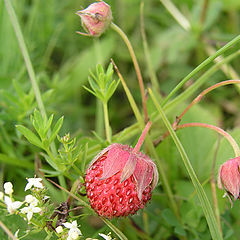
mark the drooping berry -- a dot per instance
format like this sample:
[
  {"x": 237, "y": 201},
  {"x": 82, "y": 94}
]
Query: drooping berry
[
  {"x": 229, "y": 178},
  {"x": 120, "y": 180}
]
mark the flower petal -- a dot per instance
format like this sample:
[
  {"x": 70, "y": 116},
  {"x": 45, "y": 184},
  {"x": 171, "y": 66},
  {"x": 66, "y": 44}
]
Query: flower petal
[{"x": 117, "y": 157}]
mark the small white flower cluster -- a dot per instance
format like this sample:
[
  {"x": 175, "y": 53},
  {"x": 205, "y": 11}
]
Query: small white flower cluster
[
  {"x": 11, "y": 205},
  {"x": 30, "y": 201},
  {"x": 73, "y": 232}
]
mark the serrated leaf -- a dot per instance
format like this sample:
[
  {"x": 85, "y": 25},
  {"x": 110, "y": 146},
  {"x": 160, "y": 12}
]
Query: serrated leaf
[
  {"x": 56, "y": 129},
  {"x": 30, "y": 136}
]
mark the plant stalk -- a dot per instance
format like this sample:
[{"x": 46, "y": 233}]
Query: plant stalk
[
  {"x": 106, "y": 120},
  {"x": 207, "y": 209},
  {"x": 136, "y": 66},
  {"x": 201, "y": 95}
]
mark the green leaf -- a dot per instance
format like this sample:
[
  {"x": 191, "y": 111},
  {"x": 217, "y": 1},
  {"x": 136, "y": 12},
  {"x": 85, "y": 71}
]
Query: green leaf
[
  {"x": 169, "y": 217},
  {"x": 16, "y": 161},
  {"x": 29, "y": 135},
  {"x": 56, "y": 129}
]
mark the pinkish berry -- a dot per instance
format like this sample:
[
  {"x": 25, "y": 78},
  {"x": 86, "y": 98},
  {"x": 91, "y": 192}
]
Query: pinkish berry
[
  {"x": 229, "y": 178},
  {"x": 96, "y": 18},
  {"x": 120, "y": 180}
]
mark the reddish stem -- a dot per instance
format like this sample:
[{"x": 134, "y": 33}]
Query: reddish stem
[
  {"x": 142, "y": 137},
  {"x": 200, "y": 96},
  {"x": 216, "y": 129}
]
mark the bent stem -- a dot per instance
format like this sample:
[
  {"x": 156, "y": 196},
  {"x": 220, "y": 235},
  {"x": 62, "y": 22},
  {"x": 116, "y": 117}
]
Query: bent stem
[
  {"x": 201, "y": 95},
  {"x": 230, "y": 139},
  {"x": 206, "y": 206},
  {"x": 136, "y": 66}
]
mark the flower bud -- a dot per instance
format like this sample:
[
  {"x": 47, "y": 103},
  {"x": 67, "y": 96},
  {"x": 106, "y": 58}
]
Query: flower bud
[
  {"x": 8, "y": 188},
  {"x": 95, "y": 18},
  {"x": 59, "y": 229},
  {"x": 229, "y": 177}
]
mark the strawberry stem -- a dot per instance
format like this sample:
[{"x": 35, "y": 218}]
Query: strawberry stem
[{"x": 142, "y": 137}]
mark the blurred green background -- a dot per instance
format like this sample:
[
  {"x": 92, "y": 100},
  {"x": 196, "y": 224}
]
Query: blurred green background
[{"x": 62, "y": 60}]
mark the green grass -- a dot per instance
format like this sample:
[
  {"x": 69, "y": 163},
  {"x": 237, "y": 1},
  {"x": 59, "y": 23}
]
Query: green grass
[{"x": 51, "y": 78}]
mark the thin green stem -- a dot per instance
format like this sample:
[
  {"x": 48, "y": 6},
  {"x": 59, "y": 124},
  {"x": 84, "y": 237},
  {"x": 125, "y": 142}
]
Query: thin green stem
[
  {"x": 136, "y": 66},
  {"x": 28, "y": 63},
  {"x": 106, "y": 120},
  {"x": 114, "y": 229},
  {"x": 99, "y": 125},
  {"x": 26, "y": 56},
  {"x": 204, "y": 12},
  {"x": 200, "y": 67},
  {"x": 7, "y": 231},
  {"x": 151, "y": 71},
  {"x": 213, "y": 187},
  {"x": 179, "y": 17},
  {"x": 207, "y": 209},
  {"x": 200, "y": 81}
]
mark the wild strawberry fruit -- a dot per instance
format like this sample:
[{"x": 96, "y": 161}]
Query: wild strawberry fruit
[
  {"x": 229, "y": 178},
  {"x": 120, "y": 179},
  {"x": 96, "y": 18}
]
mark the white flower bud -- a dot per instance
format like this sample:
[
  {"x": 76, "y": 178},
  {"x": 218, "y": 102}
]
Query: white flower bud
[
  {"x": 59, "y": 229},
  {"x": 8, "y": 188}
]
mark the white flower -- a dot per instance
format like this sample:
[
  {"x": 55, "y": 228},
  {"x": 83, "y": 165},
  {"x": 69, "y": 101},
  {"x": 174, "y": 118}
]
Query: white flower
[
  {"x": 1, "y": 195},
  {"x": 74, "y": 231},
  {"x": 12, "y": 206},
  {"x": 30, "y": 210},
  {"x": 59, "y": 229},
  {"x": 31, "y": 200},
  {"x": 72, "y": 235},
  {"x": 8, "y": 188},
  {"x": 106, "y": 237},
  {"x": 33, "y": 182}
]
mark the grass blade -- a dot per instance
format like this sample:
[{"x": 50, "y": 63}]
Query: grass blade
[{"x": 207, "y": 209}]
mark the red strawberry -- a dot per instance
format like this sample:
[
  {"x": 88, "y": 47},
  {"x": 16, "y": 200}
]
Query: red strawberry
[{"x": 120, "y": 179}]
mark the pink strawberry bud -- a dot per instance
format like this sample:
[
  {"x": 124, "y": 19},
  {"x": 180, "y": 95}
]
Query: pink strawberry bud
[
  {"x": 95, "y": 18},
  {"x": 120, "y": 179},
  {"x": 229, "y": 177}
]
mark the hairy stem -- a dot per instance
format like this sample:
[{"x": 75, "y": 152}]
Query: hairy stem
[{"x": 136, "y": 66}]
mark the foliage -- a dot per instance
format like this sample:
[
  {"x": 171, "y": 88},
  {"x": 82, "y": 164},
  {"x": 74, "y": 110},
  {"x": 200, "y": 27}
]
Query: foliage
[{"x": 68, "y": 66}]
